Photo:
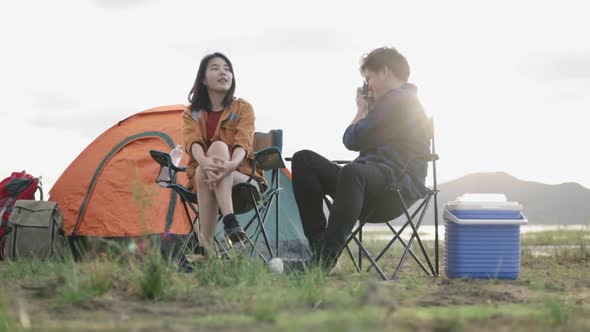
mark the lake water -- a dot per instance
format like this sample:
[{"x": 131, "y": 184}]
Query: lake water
[{"x": 378, "y": 232}]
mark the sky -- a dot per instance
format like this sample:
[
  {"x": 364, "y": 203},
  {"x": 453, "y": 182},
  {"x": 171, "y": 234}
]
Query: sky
[{"x": 507, "y": 82}]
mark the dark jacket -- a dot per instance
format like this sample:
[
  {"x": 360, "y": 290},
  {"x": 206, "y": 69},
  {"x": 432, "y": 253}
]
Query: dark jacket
[{"x": 393, "y": 133}]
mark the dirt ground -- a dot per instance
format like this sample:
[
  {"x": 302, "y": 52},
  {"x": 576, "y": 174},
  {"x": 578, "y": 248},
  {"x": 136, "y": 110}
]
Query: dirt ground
[{"x": 552, "y": 293}]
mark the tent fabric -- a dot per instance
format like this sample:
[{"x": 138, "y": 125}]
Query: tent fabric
[
  {"x": 292, "y": 241},
  {"x": 109, "y": 190}
]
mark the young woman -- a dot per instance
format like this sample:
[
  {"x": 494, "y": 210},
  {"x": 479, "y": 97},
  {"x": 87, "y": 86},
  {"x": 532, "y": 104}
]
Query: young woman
[{"x": 218, "y": 130}]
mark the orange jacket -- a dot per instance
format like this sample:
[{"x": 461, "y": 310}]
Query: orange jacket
[{"x": 235, "y": 128}]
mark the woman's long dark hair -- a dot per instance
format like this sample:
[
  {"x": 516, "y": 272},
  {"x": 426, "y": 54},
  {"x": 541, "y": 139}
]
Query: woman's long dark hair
[{"x": 198, "y": 97}]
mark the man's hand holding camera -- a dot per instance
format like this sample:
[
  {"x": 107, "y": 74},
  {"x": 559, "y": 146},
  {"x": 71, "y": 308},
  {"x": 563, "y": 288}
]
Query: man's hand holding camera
[{"x": 362, "y": 103}]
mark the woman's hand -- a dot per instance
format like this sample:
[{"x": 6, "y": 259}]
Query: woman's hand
[
  {"x": 211, "y": 165},
  {"x": 217, "y": 170}
]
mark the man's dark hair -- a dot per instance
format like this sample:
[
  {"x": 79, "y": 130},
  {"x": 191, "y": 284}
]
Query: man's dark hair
[
  {"x": 198, "y": 97},
  {"x": 388, "y": 57}
]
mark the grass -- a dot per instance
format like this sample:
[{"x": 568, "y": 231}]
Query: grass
[
  {"x": 152, "y": 275},
  {"x": 27, "y": 269},
  {"x": 131, "y": 292},
  {"x": 7, "y": 323},
  {"x": 566, "y": 245},
  {"x": 560, "y": 237}
]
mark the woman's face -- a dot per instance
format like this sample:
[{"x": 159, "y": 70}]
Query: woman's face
[{"x": 218, "y": 76}]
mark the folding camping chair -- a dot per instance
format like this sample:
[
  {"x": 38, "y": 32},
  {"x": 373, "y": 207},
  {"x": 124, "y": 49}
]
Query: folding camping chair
[
  {"x": 398, "y": 206},
  {"x": 396, "y": 201},
  {"x": 245, "y": 195}
]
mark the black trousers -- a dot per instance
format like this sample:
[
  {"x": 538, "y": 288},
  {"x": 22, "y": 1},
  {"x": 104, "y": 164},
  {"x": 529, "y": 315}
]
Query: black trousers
[{"x": 351, "y": 187}]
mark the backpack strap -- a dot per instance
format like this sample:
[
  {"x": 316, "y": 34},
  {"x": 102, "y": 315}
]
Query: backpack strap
[{"x": 5, "y": 206}]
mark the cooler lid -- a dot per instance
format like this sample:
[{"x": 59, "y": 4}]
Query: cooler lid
[
  {"x": 483, "y": 202},
  {"x": 475, "y": 218},
  {"x": 482, "y": 198}
]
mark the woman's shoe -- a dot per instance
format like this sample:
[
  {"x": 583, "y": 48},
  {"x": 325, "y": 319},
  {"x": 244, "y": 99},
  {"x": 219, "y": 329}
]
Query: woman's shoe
[
  {"x": 199, "y": 254},
  {"x": 184, "y": 265},
  {"x": 233, "y": 230}
]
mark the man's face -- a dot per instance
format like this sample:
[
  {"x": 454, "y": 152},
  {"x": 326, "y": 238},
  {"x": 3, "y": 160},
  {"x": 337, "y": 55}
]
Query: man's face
[{"x": 378, "y": 81}]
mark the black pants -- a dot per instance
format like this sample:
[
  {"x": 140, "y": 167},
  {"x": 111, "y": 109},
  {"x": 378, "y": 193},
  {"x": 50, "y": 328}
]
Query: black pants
[{"x": 351, "y": 186}]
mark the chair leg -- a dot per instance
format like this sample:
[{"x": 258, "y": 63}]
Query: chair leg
[
  {"x": 226, "y": 252},
  {"x": 254, "y": 248},
  {"x": 353, "y": 234},
  {"x": 364, "y": 251},
  {"x": 436, "y": 233},
  {"x": 259, "y": 229},
  {"x": 420, "y": 240},
  {"x": 414, "y": 235},
  {"x": 403, "y": 243},
  {"x": 358, "y": 269},
  {"x": 360, "y": 238},
  {"x": 277, "y": 224},
  {"x": 398, "y": 234},
  {"x": 218, "y": 244},
  {"x": 256, "y": 231},
  {"x": 192, "y": 222},
  {"x": 255, "y": 241},
  {"x": 261, "y": 220},
  {"x": 250, "y": 223},
  {"x": 362, "y": 248}
]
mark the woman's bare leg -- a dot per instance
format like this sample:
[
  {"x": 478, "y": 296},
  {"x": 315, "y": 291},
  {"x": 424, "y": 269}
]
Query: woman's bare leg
[
  {"x": 207, "y": 208},
  {"x": 241, "y": 178},
  {"x": 218, "y": 198},
  {"x": 223, "y": 187}
]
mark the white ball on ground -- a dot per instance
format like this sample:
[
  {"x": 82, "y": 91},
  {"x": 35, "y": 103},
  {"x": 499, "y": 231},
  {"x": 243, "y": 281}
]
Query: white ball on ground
[{"x": 276, "y": 265}]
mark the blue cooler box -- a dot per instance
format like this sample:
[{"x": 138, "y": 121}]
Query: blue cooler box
[{"x": 482, "y": 238}]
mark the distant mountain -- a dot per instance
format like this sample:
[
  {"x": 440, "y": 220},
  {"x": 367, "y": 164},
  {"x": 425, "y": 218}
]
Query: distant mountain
[{"x": 566, "y": 203}]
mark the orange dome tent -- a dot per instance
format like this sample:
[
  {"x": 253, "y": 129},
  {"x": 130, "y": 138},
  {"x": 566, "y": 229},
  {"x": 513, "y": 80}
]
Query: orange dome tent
[{"x": 109, "y": 190}]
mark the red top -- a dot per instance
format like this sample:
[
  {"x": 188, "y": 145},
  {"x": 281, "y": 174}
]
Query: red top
[{"x": 212, "y": 120}]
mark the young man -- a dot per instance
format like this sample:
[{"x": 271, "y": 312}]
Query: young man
[{"x": 388, "y": 130}]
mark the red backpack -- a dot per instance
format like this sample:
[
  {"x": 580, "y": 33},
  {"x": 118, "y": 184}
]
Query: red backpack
[{"x": 17, "y": 186}]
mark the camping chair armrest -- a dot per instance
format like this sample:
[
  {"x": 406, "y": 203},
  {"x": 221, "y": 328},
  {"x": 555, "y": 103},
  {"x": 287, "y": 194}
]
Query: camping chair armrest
[
  {"x": 164, "y": 160},
  {"x": 179, "y": 168},
  {"x": 269, "y": 158},
  {"x": 429, "y": 157},
  {"x": 253, "y": 166},
  {"x": 339, "y": 162},
  {"x": 186, "y": 194}
]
